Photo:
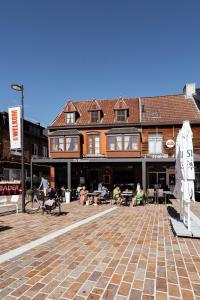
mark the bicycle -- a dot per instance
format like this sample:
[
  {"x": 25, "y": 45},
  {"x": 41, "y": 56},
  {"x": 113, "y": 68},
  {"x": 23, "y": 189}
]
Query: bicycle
[
  {"x": 38, "y": 201},
  {"x": 35, "y": 202}
]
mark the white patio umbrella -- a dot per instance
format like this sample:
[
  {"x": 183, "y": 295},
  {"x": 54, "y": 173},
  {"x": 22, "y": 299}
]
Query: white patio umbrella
[
  {"x": 187, "y": 163},
  {"x": 177, "y": 189},
  {"x": 184, "y": 189}
]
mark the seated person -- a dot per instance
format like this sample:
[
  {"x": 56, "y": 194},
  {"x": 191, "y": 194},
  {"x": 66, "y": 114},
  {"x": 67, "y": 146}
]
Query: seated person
[
  {"x": 139, "y": 198},
  {"x": 83, "y": 195},
  {"x": 79, "y": 188},
  {"x": 116, "y": 195},
  {"x": 104, "y": 192},
  {"x": 97, "y": 199}
]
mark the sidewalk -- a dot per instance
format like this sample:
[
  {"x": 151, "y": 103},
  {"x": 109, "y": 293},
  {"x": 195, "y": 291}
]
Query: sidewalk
[{"x": 126, "y": 254}]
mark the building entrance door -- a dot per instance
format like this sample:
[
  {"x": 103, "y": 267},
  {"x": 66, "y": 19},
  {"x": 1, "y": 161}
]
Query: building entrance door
[{"x": 157, "y": 179}]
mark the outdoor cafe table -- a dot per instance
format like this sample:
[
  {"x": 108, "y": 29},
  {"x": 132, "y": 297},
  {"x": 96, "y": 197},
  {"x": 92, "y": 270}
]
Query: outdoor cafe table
[
  {"x": 91, "y": 195},
  {"x": 127, "y": 195}
]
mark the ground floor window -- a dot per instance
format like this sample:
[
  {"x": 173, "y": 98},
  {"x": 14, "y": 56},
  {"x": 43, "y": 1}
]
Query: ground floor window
[{"x": 157, "y": 179}]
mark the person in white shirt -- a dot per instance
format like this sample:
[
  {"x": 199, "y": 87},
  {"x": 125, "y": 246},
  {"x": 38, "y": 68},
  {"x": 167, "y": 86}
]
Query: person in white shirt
[{"x": 44, "y": 184}]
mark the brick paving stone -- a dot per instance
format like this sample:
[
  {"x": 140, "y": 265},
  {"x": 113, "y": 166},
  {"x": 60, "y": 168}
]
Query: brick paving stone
[
  {"x": 21, "y": 290},
  {"x": 196, "y": 288},
  {"x": 147, "y": 297},
  {"x": 187, "y": 295},
  {"x": 127, "y": 254},
  {"x": 40, "y": 296},
  {"x": 93, "y": 297},
  {"x": 57, "y": 293},
  {"x": 110, "y": 292},
  {"x": 124, "y": 289},
  {"x": 138, "y": 284},
  {"x": 135, "y": 294},
  {"x": 86, "y": 288},
  {"x": 161, "y": 284},
  {"x": 174, "y": 290},
  {"x": 72, "y": 291},
  {"x": 95, "y": 276},
  {"x": 50, "y": 286},
  {"x": 116, "y": 278},
  {"x": 161, "y": 296},
  {"x": 149, "y": 287},
  {"x": 34, "y": 290}
]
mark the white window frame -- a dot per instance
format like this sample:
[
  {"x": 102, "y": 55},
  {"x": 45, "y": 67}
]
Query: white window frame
[
  {"x": 70, "y": 118},
  {"x": 155, "y": 143}
]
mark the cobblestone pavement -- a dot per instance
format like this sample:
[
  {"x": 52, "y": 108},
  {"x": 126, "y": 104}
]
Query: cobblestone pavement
[{"x": 130, "y": 253}]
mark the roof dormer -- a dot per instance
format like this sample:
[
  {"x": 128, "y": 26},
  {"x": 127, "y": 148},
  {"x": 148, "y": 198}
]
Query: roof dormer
[
  {"x": 95, "y": 111},
  {"x": 121, "y": 110},
  {"x": 71, "y": 113}
]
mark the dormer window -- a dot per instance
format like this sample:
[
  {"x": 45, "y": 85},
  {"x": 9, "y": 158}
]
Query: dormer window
[
  {"x": 95, "y": 111},
  {"x": 121, "y": 115},
  {"x": 121, "y": 110},
  {"x": 70, "y": 117},
  {"x": 71, "y": 113},
  {"x": 95, "y": 116}
]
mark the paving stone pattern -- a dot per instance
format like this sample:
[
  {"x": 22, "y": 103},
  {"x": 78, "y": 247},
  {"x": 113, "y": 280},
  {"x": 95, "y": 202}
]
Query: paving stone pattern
[{"x": 130, "y": 253}]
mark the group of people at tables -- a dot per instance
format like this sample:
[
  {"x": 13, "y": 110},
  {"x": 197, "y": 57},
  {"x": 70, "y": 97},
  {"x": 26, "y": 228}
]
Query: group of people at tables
[{"x": 118, "y": 197}]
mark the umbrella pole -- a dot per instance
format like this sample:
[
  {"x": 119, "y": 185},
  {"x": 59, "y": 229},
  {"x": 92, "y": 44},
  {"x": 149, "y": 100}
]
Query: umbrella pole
[
  {"x": 188, "y": 213},
  {"x": 181, "y": 201}
]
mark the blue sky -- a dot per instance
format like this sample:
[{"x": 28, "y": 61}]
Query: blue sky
[{"x": 81, "y": 49}]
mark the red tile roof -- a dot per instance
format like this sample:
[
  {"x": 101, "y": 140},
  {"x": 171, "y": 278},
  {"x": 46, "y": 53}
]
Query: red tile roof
[
  {"x": 168, "y": 109},
  {"x": 107, "y": 107},
  {"x": 155, "y": 110}
]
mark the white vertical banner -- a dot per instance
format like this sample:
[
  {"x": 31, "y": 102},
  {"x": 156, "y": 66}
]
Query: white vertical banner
[{"x": 14, "y": 114}]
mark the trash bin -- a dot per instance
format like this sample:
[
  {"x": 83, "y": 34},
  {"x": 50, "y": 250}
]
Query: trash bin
[{"x": 67, "y": 197}]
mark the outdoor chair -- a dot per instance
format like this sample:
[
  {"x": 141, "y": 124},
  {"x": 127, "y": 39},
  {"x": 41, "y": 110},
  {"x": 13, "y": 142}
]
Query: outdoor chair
[
  {"x": 160, "y": 195},
  {"x": 150, "y": 195}
]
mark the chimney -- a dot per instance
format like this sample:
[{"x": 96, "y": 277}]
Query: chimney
[{"x": 189, "y": 90}]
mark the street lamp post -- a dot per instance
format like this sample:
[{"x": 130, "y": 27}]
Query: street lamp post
[{"x": 20, "y": 88}]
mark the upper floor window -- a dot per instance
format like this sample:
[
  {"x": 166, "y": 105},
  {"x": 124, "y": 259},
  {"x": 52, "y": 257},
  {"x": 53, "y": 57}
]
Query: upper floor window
[
  {"x": 126, "y": 142},
  {"x": 130, "y": 142},
  {"x": 95, "y": 116},
  {"x": 155, "y": 142},
  {"x": 70, "y": 117},
  {"x": 57, "y": 144},
  {"x": 69, "y": 143},
  {"x": 121, "y": 115},
  {"x": 44, "y": 151},
  {"x": 93, "y": 144},
  {"x": 34, "y": 149},
  {"x": 115, "y": 142}
]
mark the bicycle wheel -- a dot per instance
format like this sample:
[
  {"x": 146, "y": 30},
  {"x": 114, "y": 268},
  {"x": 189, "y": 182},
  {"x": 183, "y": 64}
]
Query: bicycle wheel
[{"x": 32, "y": 206}]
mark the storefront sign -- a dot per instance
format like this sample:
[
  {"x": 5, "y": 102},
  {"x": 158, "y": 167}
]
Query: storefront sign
[
  {"x": 14, "y": 127},
  {"x": 157, "y": 155},
  {"x": 170, "y": 143},
  {"x": 10, "y": 188}
]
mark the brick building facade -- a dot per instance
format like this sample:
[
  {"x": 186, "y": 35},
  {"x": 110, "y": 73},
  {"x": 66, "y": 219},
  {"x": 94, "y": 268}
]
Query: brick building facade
[
  {"x": 35, "y": 145},
  {"x": 122, "y": 141}
]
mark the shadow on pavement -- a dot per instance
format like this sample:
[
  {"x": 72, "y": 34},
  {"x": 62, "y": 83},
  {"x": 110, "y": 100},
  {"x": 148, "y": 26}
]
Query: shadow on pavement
[
  {"x": 3, "y": 228},
  {"x": 173, "y": 213}
]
